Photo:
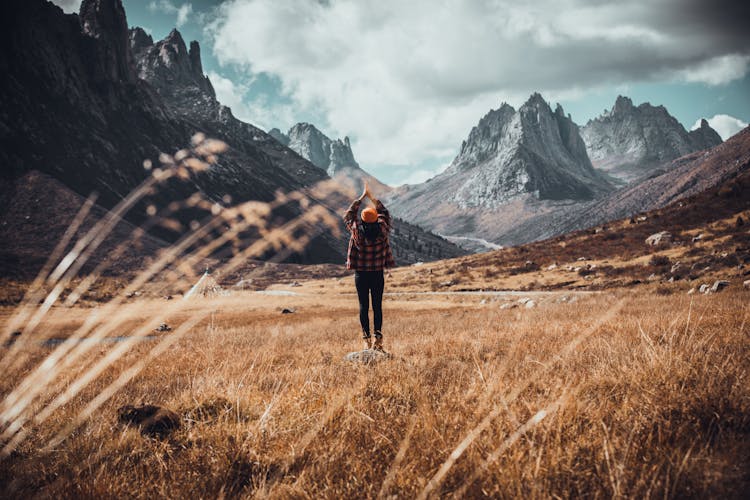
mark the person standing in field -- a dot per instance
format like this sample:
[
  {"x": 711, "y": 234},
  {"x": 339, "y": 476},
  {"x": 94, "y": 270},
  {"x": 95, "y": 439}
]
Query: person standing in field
[{"x": 368, "y": 255}]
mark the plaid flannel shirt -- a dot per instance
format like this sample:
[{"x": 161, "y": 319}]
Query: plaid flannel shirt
[{"x": 363, "y": 255}]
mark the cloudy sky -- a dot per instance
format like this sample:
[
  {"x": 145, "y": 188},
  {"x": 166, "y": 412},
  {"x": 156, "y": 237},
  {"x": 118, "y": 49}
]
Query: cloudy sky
[{"x": 406, "y": 81}]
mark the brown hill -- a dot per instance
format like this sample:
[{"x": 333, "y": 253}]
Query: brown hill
[{"x": 30, "y": 229}]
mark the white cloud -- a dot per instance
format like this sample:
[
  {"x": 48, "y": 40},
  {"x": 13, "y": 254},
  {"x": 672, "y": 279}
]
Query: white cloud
[
  {"x": 259, "y": 111},
  {"x": 68, "y": 6},
  {"x": 167, "y": 7},
  {"x": 718, "y": 70},
  {"x": 726, "y": 126},
  {"x": 407, "y": 80}
]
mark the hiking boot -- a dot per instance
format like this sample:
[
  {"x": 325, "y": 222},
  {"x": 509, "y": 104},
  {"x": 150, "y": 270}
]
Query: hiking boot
[
  {"x": 378, "y": 341},
  {"x": 368, "y": 340}
]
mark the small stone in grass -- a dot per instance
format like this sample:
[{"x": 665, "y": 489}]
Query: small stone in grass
[
  {"x": 367, "y": 356},
  {"x": 153, "y": 420}
]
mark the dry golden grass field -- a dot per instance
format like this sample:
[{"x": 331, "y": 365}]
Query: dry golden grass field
[{"x": 619, "y": 393}]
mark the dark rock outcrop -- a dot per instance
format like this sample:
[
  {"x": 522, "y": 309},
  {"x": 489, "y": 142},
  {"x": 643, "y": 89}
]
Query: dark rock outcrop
[
  {"x": 72, "y": 105},
  {"x": 86, "y": 100},
  {"x": 704, "y": 137},
  {"x": 105, "y": 21}
]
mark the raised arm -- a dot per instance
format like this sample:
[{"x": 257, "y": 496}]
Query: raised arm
[
  {"x": 350, "y": 216},
  {"x": 383, "y": 215}
]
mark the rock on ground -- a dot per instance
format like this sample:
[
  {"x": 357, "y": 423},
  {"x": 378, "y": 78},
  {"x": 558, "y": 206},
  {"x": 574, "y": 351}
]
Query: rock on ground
[
  {"x": 660, "y": 238},
  {"x": 152, "y": 419},
  {"x": 367, "y": 356},
  {"x": 719, "y": 285}
]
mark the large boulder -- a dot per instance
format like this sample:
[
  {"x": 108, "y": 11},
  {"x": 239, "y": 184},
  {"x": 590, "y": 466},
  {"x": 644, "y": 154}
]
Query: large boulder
[{"x": 660, "y": 238}]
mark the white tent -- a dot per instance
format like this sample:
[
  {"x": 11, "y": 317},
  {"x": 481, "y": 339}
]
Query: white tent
[{"x": 205, "y": 287}]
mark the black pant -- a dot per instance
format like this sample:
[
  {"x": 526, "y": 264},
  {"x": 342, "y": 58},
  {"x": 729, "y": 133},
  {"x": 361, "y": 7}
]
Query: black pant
[{"x": 370, "y": 283}]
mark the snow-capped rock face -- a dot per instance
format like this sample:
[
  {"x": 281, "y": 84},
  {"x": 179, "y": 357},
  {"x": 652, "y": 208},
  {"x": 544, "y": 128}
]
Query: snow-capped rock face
[
  {"x": 628, "y": 142},
  {"x": 312, "y": 144},
  {"x": 514, "y": 153}
]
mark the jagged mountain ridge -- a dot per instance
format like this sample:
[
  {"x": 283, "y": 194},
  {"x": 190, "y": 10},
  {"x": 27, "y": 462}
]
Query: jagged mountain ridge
[
  {"x": 72, "y": 105},
  {"x": 335, "y": 156},
  {"x": 530, "y": 151},
  {"x": 176, "y": 73},
  {"x": 312, "y": 144},
  {"x": 630, "y": 142},
  {"x": 515, "y": 164}
]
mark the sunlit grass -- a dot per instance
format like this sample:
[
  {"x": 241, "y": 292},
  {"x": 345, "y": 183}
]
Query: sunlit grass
[{"x": 647, "y": 401}]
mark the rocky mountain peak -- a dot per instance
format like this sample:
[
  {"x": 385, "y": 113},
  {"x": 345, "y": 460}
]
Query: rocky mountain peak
[
  {"x": 175, "y": 38},
  {"x": 535, "y": 100},
  {"x": 622, "y": 105},
  {"x": 105, "y": 20},
  {"x": 511, "y": 154},
  {"x": 335, "y": 156},
  {"x": 320, "y": 150},
  {"x": 195, "y": 58},
  {"x": 704, "y": 137},
  {"x": 168, "y": 65},
  {"x": 139, "y": 40},
  {"x": 279, "y": 136},
  {"x": 629, "y": 142}
]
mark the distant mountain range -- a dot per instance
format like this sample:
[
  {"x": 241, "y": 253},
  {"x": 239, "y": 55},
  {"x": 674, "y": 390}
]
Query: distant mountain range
[
  {"x": 526, "y": 174},
  {"x": 86, "y": 100}
]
